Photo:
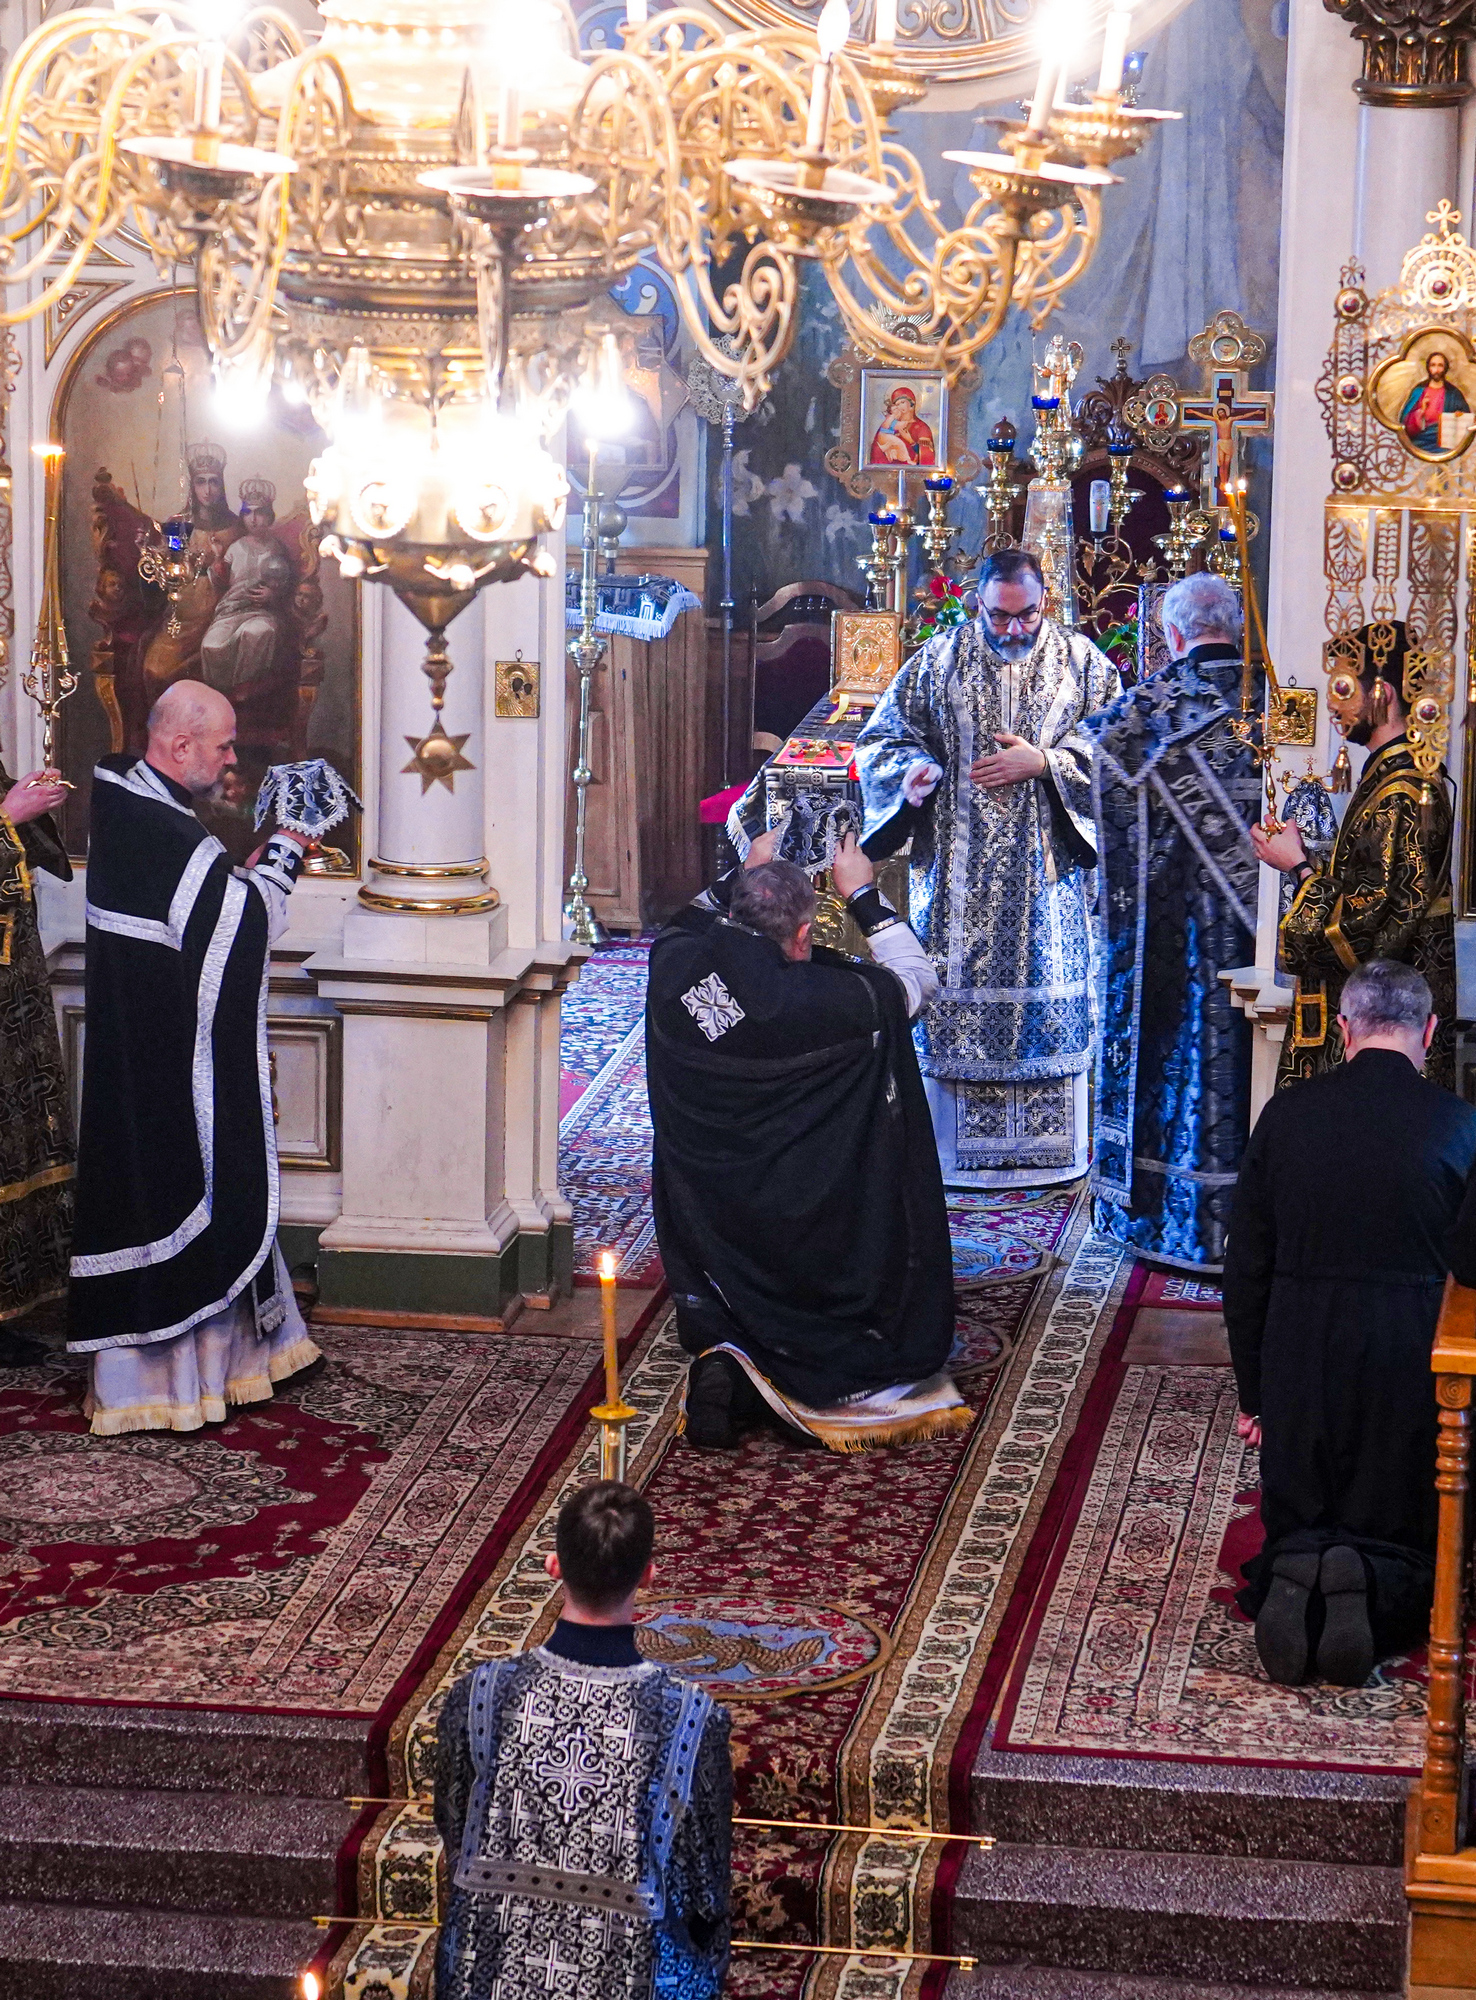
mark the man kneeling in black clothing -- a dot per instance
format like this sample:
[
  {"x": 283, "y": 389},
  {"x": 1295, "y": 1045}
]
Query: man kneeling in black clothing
[
  {"x": 798, "y": 1202},
  {"x": 1333, "y": 1274}
]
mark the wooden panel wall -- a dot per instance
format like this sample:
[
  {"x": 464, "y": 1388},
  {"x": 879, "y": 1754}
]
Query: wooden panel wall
[{"x": 650, "y": 754}]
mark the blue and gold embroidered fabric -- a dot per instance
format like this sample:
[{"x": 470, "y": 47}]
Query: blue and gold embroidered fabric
[
  {"x": 1173, "y": 792},
  {"x": 1001, "y": 882}
]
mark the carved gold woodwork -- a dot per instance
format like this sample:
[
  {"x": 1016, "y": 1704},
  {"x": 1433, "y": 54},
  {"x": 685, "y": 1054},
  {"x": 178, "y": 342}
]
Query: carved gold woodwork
[{"x": 1414, "y": 51}]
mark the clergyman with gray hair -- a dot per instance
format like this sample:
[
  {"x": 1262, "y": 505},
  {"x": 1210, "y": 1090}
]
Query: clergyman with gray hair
[
  {"x": 1340, "y": 1234},
  {"x": 794, "y": 1177},
  {"x": 1174, "y": 792}
]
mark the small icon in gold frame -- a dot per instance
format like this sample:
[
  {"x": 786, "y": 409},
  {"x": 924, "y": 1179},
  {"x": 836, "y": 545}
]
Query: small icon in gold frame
[{"x": 517, "y": 688}]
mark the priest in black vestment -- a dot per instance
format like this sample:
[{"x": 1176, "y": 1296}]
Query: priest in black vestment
[
  {"x": 178, "y": 1291},
  {"x": 795, "y": 1182},
  {"x": 1333, "y": 1276}
]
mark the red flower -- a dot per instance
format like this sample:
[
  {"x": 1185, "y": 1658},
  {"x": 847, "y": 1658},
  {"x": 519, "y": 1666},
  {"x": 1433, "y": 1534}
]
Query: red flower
[{"x": 939, "y": 586}]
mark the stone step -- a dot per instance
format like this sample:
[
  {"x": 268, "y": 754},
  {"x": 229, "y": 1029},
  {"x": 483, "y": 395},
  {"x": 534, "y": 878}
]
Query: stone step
[
  {"x": 1043, "y": 1982},
  {"x": 204, "y": 1852},
  {"x": 54, "y": 1952},
  {"x": 182, "y": 1749},
  {"x": 1181, "y": 1808},
  {"x": 1185, "y": 1916}
]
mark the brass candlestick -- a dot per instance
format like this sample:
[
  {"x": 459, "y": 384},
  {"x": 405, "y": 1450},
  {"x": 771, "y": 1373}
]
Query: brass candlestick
[
  {"x": 876, "y": 567},
  {"x": 50, "y": 678},
  {"x": 999, "y": 494},
  {"x": 614, "y": 1413},
  {"x": 937, "y": 534},
  {"x": 901, "y": 539}
]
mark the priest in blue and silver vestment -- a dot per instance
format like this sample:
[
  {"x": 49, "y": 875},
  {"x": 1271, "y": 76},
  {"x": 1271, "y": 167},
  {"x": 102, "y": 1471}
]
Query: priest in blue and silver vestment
[
  {"x": 976, "y": 751},
  {"x": 1175, "y": 791}
]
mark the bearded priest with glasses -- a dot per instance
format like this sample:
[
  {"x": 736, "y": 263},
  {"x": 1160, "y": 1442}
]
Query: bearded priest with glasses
[{"x": 976, "y": 752}]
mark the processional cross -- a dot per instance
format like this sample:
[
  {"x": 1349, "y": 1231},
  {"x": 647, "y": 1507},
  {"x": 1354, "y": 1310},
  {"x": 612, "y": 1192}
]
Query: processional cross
[
  {"x": 1228, "y": 410},
  {"x": 1226, "y": 414}
]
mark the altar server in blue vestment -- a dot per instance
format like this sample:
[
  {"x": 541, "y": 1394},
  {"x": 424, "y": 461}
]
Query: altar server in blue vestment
[
  {"x": 1174, "y": 793},
  {"x": 584, "y": 1797},
  {"x": 976, "y": 751}
]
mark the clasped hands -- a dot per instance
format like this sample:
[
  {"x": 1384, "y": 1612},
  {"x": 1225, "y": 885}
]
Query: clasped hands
[{"x": 1015, "y": 762}]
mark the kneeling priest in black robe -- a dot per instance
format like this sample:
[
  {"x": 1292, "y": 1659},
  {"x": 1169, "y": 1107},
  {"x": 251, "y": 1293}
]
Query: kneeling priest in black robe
[
  {"x": 798, "y": 1200},
  {"x": 1334, "y": 1269}
]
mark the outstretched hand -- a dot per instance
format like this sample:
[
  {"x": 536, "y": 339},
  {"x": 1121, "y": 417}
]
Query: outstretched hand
[
  {"x": 28, "y": 798},
  {"x": 1016, "y": 762},
  {"x": 761, "y": 851},
  {"x": 1248, "y": 1428}
]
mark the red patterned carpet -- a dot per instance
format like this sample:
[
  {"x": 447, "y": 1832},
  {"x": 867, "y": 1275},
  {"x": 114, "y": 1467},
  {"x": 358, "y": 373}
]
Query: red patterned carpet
[
  {"x": 307, "y": 1555},
  {"x": 1135, "y": 1646},
  {"x": 842, "y": 1606}
]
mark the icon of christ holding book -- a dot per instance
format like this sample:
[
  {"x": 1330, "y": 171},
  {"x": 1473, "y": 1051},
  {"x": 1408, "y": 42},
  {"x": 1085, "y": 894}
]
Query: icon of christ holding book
[{"x": 1430, "y": 406}]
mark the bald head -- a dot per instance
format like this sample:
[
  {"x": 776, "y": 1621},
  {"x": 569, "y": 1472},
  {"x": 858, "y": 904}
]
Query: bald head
[{"x": 192, "y": 736}]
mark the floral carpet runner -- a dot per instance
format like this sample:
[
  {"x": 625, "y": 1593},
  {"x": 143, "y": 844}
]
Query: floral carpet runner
[
  {"x": 846, "y": 1628},
  {"x": 1135, "y": 1646},
  {"x": 301, "y": 1556}
]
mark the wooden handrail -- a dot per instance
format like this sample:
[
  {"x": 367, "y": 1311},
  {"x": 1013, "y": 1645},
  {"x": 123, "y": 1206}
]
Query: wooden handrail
[{"x": 1453, "y": 1358}]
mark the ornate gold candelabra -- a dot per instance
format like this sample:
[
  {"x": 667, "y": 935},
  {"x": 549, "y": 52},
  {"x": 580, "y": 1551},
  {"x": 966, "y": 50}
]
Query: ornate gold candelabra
[
  {"x": 586, "y": 651},
  {"x": 50, "y": 679},
  {"x": 999, "y": 494},
  {"x": 936, "y": 533},
  {"x": 1188, "y": 527},
  {"x": 876, "y": 566}
]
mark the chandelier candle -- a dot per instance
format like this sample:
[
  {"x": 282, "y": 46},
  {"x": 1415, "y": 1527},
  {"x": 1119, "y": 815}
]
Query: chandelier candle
[
  {"x": 1114, "y": 52},
  {"x": 885, "y": 31},
  {"x": 834, "y": 26}
]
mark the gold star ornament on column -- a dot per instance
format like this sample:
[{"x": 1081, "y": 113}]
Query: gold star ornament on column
[{"x": 437, "y": 758}]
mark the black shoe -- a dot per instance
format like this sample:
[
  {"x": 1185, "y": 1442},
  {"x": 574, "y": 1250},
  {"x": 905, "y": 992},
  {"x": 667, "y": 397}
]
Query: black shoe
[
  {"x": 719, "y": 1399},
  {"x": 1281, "y": 1626},
  {"x": 1345, "y": 1652}
]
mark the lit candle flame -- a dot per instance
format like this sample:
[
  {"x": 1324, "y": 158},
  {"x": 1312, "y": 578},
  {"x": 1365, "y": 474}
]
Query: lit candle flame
[{"x": 607, "y": 1264}]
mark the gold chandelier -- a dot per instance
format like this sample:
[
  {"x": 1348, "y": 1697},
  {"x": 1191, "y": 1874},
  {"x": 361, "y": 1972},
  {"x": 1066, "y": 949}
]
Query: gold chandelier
[{"x": 403, "y": 225}]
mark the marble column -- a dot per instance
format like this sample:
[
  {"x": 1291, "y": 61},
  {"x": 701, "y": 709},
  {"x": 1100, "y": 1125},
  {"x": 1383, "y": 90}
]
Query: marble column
[
  {"x": 448, "y": 981},
  {"x": 427, "y": 856}
]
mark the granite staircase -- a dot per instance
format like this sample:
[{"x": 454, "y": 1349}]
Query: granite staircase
[
  {"x": 167, "y": 1854},
  {"x": 1127, "y": 1879}
]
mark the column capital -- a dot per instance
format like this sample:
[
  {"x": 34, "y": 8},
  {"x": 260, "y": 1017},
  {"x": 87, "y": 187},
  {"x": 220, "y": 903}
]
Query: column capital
[{"x": 1414, "y": 51}]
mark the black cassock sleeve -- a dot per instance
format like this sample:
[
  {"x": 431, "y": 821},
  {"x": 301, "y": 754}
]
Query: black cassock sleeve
[
  {"x": 1250, "y": 1264},
  {"x": 1462, "y": 1249}
]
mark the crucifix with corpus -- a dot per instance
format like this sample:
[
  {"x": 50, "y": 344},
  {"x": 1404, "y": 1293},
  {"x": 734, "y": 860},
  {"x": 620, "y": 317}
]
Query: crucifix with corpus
[{"x": 1228, "y": 410}]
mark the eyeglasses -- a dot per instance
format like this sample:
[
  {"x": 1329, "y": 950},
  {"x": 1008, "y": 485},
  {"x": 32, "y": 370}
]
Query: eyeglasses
[{"x": 1007, "y": 621}]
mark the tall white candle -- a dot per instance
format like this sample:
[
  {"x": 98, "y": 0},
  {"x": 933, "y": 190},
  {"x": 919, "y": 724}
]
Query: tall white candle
[
  {"x": 509, "y": 118},
  {"x": 833, "y": 27},
  {"x": 884, "y": 33},
  {"x": 1045, "y": 92},
  {"x": 635, "y": 13},
  {"x": 1114, "y": 52}
]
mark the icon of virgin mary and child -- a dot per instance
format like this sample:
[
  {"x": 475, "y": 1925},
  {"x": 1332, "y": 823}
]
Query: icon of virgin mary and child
[{"x": 1434, "y": 410}]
